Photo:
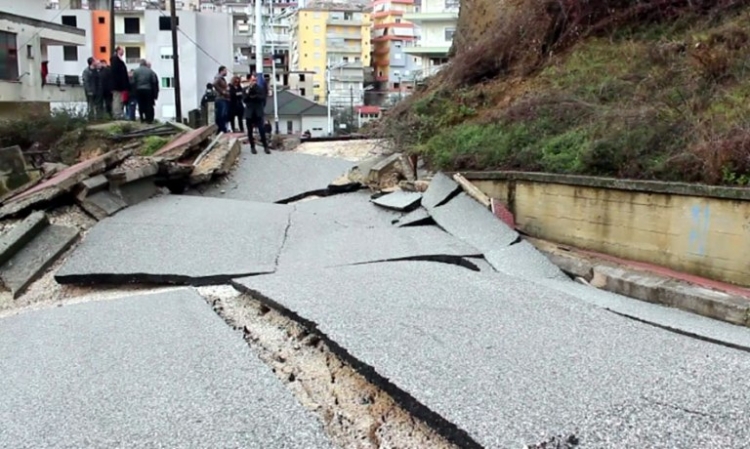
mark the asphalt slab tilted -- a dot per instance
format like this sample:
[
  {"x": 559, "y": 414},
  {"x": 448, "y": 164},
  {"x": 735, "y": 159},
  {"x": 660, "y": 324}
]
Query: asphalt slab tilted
[
  {"x": 512, "y": 363},
  {"x": 159, "y": 370}
]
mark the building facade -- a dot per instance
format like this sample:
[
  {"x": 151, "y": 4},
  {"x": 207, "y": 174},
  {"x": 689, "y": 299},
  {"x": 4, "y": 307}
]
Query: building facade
[
  {"x": 333, "y": 41},
  {"x": 436, "y": 21},
  {"x": 25, "y": 43},
  {"x": 205, "y": 42},
  {"x": 391, "y": 36}
]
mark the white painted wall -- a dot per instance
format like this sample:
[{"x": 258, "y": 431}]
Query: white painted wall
[
  {"x": 317, "y": 125},
  {"x": 57, "y": 63}
]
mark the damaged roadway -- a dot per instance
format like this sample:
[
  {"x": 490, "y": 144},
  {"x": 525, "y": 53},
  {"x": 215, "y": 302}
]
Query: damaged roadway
[{"x": 504, "y": 356}]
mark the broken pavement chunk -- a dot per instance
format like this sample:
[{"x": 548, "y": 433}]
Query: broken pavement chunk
[
  {"x": 28, "y": 264},
  {"x": 103, "y": 204},
  {"x": 22, "y": 233},
  {"x": 217, "y": 162},
  {"x": 399, "y": 200},
  {"x": 181, "y": 145},
  {"x": 417, "y": 217},
  {"x": 441, "y": 190}
]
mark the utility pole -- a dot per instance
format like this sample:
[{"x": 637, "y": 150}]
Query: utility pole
[
  {"x": 351, "y": 102},
  {"x": 273, "y": 76},
  {"x": 111, "y": 27},
  {"x": 176, "y": 63},
  {"x": 258, "y": 39},
  {"x": 328, "y": 97}
]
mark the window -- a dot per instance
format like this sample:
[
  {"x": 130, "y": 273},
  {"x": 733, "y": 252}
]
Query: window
[
  {"x": 317, "y": 42},
  {"x": 348, "y": 16},
  {"x": 132, "y": 55},
  {"x": 316, "y": 29},
  {"x": 302, "y": 77},
  {"x": 165, "y": 52},
  {"x": 132, "y": 25},
  {"x": 165, "y": 23},
  {"x": 302, "y": 91},
  {"x": 289, "y": 127},
  {"x": 449, "y": 32},
  {"x": 70, "y": 21},
  {"x": 398, "y": 20},
  {"x": 8, "y": 56},
  {"x": 102, "y": 49},
  {"x": 70, "y": 53},
  {"x": 317, "y": 55},
  {"x": 101, "y": 20},
  {"x": 167, "y": 82},
  {"x": 397, "y": 56}
]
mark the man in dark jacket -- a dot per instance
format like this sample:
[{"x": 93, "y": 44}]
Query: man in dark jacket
[
  {"x": 107, "y": 85},
  {"x": 93, "y": 87},
  {"x": 255, "y": 98},
  {"x": 120, "y": 82},
  {"x": 147, "y": 90},
  {"x": 221, "y": 104}
]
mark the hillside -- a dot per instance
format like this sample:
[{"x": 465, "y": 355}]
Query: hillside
[{"x": 649, "y": 89}]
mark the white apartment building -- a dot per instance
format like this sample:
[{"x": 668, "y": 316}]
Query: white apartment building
[
  {"x": 205, "y": 42},
  {"x": 25, "y": 42},
  {"x": 436, "y": 22}
]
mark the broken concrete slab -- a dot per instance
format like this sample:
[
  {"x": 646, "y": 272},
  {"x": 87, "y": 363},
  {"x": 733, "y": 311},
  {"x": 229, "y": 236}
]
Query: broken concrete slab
[
  {"x": 279, "y": 177},
  {"x": 132, "y": 170},
  {"x": 315, "y": 244},
  {"x": 178, "y": 147},
  {"x": 61, "y": 183},
  {"x": 101, "y": 205},
  {"x": 347, "y": 210},
  {"x": 472, "y": 190},
  {"x": 180, "y": 240},
  {"x": 662, "y": 290},
  {"x": 399, "y": 200},
  {"x": 21, "y": 234},
  {"x": 137, "y": 191},
  {"x": 92, "y": 185},
  {"x": 28, "y": 264},
  {"x": 442, "y": 188},
  {"x": 525, "y": 261},
  {"x": 13, "y": 170},
  {"x": 497, "y": 360},
  {"x": 217, "y": 162},
  {"x": 153, "y": 370},
  {"x": 417, "y": 217},
  {"x": 466, "y": 219}
]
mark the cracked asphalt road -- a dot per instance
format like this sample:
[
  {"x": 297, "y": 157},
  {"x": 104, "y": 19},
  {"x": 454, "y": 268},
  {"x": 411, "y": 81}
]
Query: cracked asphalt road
[{"x": 510, "y": 355}]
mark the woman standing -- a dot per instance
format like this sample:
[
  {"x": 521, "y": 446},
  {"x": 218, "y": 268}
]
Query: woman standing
[
  {"x": 236, "y": 108},
  {"x": 255, "y": 100}
]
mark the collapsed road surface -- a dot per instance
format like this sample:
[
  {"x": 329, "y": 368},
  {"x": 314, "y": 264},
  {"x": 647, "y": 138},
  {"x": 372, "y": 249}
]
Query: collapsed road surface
[{"x": 443, "y": 310}]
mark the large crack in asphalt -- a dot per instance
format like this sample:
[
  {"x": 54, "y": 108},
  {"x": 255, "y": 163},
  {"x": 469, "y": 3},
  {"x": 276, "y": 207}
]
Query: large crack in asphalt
[
  {"x": 451, "y": 434},
  {"x": 354, "y": 410}
]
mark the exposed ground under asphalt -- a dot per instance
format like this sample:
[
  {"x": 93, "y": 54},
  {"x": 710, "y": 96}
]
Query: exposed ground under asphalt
[{"x": 354, "y": 412}]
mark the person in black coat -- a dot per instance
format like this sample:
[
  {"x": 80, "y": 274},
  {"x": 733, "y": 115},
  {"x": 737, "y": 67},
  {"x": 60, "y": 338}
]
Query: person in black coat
[
  {"x": 254, "y": 97},
  {"x": 107, "y": 88},
  {"x": 120, "y": 83},
  {"x": 236, "y": 108}
]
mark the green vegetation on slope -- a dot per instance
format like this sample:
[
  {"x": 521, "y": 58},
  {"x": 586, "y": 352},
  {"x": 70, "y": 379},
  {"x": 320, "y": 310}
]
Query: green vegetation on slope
[{"x": 663, "y": 101}]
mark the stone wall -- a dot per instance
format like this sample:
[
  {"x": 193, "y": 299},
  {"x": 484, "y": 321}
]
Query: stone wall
[{"x": 701, "y": 230}]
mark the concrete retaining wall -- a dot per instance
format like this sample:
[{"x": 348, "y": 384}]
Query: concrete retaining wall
[{"x": 701, "y": 230}]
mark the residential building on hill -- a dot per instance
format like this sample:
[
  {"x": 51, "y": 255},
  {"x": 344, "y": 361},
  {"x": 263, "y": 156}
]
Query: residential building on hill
[
  {"x": 391, "y": 36},
  {"x": 333, "y": 36},
  {"x": 437, "y": 23},
  {"x": 25, "y": 42},
  {"x": 205, "y": 42}
]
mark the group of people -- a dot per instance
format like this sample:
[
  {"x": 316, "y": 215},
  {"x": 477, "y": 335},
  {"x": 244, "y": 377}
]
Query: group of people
[
  {"x": 114, "y": 92},
  {"x": 241, "y": 99}
]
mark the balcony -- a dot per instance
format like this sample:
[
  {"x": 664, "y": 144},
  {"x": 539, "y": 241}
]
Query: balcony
[
  {"x": 243, "y": 39},
  {"x": 345, "y": 22},
  {"x": 240, "y": 68},
  {"x": 58, "y": 89},
  {"x": 333, "y": 48},
  {"x": 345, "y": 36},
  {"x": 429, "y": 49},
  {"x": 130, "y": 38},
  {"x": 443, "y": 16}
]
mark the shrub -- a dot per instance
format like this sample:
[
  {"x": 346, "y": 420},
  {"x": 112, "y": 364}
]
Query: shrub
[{"x": 41, "y": 129}]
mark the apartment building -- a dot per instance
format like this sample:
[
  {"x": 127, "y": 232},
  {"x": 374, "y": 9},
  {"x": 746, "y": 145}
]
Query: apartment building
[
  {"x": 26, "y": 41},
  {"x": 205, "y": 42},
  {"x": 275, "y": 32},
  {"x": 437, "y": 23},
  {"x": 391, "y": 36},
  {"x": 334, "y": 36}
]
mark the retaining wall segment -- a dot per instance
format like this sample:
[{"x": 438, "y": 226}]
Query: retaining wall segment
[{"x": 510, "y": 362}]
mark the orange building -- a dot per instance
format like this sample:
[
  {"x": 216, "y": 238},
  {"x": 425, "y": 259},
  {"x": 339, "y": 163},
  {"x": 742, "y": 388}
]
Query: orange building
[
  {"x": 393, "y": 68},
  {"x": 100, "y": 37}
]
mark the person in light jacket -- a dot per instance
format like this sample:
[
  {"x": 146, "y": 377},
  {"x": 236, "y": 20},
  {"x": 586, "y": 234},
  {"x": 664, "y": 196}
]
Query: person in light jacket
[{"x": 254, "y": 97}]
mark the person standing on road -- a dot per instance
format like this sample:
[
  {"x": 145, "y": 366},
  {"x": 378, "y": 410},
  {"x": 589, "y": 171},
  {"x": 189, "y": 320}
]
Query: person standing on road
[
  {"x": 236, "y": 108},
  {"x": 120, "y": 83},
  {"x": 147, "y": 91},
  {"x": 254, "y": 99},
  {"x": 221, "y": 111}
]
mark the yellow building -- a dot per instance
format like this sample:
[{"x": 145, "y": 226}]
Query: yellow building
[
  {"x": 391, "y": 34},
  {"x": 332, "y": 37}
]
